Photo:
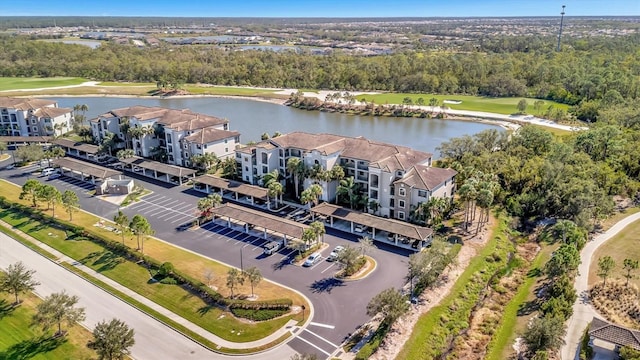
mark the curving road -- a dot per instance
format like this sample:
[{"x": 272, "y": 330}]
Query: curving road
[
  {"x": 583, "y": 312},
  {"x": 153, "y": 339}
]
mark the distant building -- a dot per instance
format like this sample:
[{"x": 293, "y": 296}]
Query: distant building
[
  {"x": 394, "y": 178},
  {"x": 178, "y": 134},
  {"x": 33, "y": 117}
]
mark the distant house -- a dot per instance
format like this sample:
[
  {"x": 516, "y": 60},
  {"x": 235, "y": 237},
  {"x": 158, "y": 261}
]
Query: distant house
[
  {"x": 396, "y": 178},
  {"x": 179, "y": 134},
  {"x": 33, "y": 117}
]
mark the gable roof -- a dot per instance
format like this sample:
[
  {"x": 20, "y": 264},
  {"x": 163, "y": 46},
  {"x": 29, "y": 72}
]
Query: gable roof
[
  {"x": 52, "y": 112},
  {"x": 426, "y": 177},
  {"x": 615, "y": 334},
  {"x": 24, "y": 103}
]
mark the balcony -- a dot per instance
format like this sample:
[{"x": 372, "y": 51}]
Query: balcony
[{"x": 363, "y": 178}]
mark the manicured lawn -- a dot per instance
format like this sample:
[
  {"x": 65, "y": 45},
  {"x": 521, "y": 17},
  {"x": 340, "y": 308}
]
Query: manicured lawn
[
  {"x": 620, "y": 247},
  {"x": 13, "y": 83},
  {"x": 20, "y": 340},
  {"x": 475, "y": 103},
  {"x": 137, "y": 278},
  {"x": 500, "y": 346},
  {"x": 227, "y": 90}
]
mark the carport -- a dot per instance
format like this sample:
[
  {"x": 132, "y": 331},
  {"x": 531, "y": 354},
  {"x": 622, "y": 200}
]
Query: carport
[
  {"x": 160, "y": 171},
  {"x": 405, "y": 235},
  {"x": 78, "y": 149},
  {"x": 14, "y": 141},
  {"x": 252, "y": 218},
  {"x": 210, "y": 183},
  {"x": 84, "y": 171}
]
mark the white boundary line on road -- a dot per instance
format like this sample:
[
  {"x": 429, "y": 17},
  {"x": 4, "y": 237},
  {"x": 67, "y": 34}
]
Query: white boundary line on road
[
  {"x": 314, "y": 345},
  {"x": 329, "y": 267},
  {"x": 322, "y": 325},
  {"x": 320, "y": 337}
]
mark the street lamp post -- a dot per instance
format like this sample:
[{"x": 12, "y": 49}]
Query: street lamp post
[
  {"x": 241, "y": 258},
  {"x": 303, "y": 309}
]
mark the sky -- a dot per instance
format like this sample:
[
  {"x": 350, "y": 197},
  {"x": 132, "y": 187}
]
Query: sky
[{"x": 319, "y": 8}]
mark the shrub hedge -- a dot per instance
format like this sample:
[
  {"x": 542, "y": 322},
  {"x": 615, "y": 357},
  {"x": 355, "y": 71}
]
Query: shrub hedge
[
  {"x": 175, "y": 276},
  {"x": 258, "y": 314}
]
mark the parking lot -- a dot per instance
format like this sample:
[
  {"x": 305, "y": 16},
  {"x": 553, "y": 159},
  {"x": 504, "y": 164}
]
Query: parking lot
[{"x": 340, "y": 307}]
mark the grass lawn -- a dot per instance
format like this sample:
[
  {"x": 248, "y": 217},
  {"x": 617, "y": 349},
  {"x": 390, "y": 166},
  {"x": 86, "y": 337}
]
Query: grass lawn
[
  {"x": 620, "y": 247},
  {"x": 501, "y": 345},
  {"x": 612, "y": 220},
  {"x": 227, "y": 90},
  {"x": 19, "y": 340},
  {"x": 136, "y": 278},
  {"x": 13, "y": 83},
  {"x": 475, "y": 103},
  {"x": 4, "y": 157}
]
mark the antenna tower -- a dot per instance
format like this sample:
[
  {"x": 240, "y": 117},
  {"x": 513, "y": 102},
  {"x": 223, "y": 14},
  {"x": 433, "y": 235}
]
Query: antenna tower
[{"x": 560, "y": 33}]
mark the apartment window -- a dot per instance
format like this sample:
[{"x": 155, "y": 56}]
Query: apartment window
[
  {"x": 33, "y": 121},
  {"x": 392, "y": 190},
  {"x": 199, "y": 146},
  {"x": 246, "y": 168},
  {"x": 226, "y": 140},
  {"x": 185, "y": 145},
  {"x": 169, "y": 140},
  {"x": 205, "y": 146},
  {"x": 422, "y": 193},
  {"x": 34, "y": 128},
  {"x": 374, "y": 194},
  {"x": 265, "y": 169},
  {"x": 392, "y": 203},
  {"x": 281, "y": 163},
  {"x": 246, "y": 159},
  {"x": 265, "y": 158},
  {"x": 237, "y": 139},
  {"x": 401, "y": 192},
  {"x": 401, "y": 204},
  {"x": 226, "y": 150},
  {"x": 401, "y": 215}
]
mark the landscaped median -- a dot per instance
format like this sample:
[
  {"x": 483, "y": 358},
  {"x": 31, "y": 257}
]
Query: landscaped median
[{"x": 206, "y": 305}]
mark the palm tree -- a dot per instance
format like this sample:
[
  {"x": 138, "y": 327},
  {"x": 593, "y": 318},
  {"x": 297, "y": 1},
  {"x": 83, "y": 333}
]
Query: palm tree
[
  {"x": 295, "y": 167},
  {"x": 347, "y": 187},
  {"x": 468, "y": 195},
  {"x": 125, "y": 126},
  {"x": 318, "y": 229},
  {"x": 140, "y": 226},
  {"x": 270, "y": 177},
  {"x": 122, "y": 221},
  {"x": 311, "y": 195},
  {"x": 275, "y": 191},
  {"x": 205, "y": 161},
  {"x": 438, "y": 207}
]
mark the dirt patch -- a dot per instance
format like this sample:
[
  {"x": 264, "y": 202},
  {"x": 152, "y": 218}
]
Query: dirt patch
[{"x": 401, "y": 330}]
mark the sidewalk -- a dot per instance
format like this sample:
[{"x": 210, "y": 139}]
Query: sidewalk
[{"x": 288, "y": 327}]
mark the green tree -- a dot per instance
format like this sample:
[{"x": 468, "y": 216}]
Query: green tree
[
  {"x": 31, "y": 152},
  {"x": 30, "y": 191},
  {"x": 606, "y": 265},
  {"x": 348, "y": 188},
  {"x": 234, "y": 279},
  {"x": 56, "y": 309},
  {"x": 70, "y": 202},
  {"x": 3, "y": 147},
  {"x": 390, "y": 303},
  {"x": 17, "y": 279},
  {"x": 122, "y": 221},
  {"x": 295, "y": 167},
  {"x": 544, "y": 333},
  {"x": 125, "y": 153},
  {"x": 51, "y": 195},
  {"x": 366, "y": 245},
  {"x": 311, "y": 195},
  {"x": 53, "y": 153},
  {"x": 112, "y": 340},
  {"x": 564, "y": 260},
  {"x": 275, "y": 191},
  {"x": 318, "y": 229},
  {"x": 522, "y": 106},
  {"x": 254, "y": 276},
  {"x": 629, "y": 265},
  {"x": 349, "y": 259},
  {"x": 140, "y": 227},
  {"x": 207, "y": 204}
]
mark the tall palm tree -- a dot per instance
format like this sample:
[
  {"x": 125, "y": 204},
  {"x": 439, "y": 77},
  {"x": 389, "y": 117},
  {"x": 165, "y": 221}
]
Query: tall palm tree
[
  {"x": 438, "y": 207},
  {"x": 348, "y": 188},
  {"x": 275, "y": 190},
  {"x": 270, "y": 177},
  {"x": 125, "y": 126},
  {"x": 295, "y": 167},
  {"x": 207, "y": 204},
  {"x": 311, "y": 195},
  {"x": 319, "y": 230}
]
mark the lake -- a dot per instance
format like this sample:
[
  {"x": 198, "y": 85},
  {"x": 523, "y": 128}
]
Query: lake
[{"x": 253, "y": 118}]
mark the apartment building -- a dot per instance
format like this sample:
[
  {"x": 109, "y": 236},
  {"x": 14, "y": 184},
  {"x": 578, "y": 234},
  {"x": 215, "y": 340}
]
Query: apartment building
[
  {"x": 33, "y": 117},
  {"x": 395, "y": 177},
  {"x": 178, "y": 134}
]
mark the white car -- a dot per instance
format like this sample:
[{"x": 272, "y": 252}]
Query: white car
[
  {"x": 361, "y": 228},
  {"x": 334, "y": 254},
  {"x": 137, "y": 169},
  {"x": 312, "y": 259},
  {"x": 10, "y": 167},
  {"x": 48, "y": 171}
]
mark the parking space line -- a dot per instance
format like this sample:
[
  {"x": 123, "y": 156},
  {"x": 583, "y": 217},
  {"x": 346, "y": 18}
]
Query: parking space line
[
  {"x": 315, "y": 346},
  {"x": 183, "y": 207},
  {"x": 320, "y": 337},
  {"x": 329, "y": 267},
  {"x": 318, "y": 264},
  {"x": 155, "y": 197},
  {"x": 173, "y": 216},
  {"x": 183, "y": 218},
  {"x": 166, "y": 202}
]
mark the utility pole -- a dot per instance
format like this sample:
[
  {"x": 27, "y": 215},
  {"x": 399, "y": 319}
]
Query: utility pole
[{"x": 560, "y": 33}]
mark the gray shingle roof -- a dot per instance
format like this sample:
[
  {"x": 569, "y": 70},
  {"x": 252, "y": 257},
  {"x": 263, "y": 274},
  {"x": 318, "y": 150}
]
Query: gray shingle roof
[{"x": 615, "y": 334}]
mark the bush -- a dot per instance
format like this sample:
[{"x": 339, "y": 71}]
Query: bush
[
  {"x": 258, "y": 315},
  {"x": 168, "y": 281},
  {"x": 586, "y": 351},
  {"x": 372, "y": 345}
]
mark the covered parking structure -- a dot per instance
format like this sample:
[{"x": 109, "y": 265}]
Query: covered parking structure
[
  {"x": 84, "y": 171},
  {"x": 79, "y": 149},
  {"x": 160, "y": 171},
  {"x": 209, "y": 183},
  {"x": 14, "y": 141},
  {"x": 254, "y": 219},
  {"x": 399, "y": 233}
]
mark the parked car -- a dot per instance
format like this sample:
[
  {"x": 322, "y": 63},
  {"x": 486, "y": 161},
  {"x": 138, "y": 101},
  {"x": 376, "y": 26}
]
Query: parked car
[
  {"x": 390, "y": 236},
  {"x": 10, "y": 167},
  {"x": 334, "y": 254},
  {"x": 361, "y": 228},
  {"x": 55, "y": 175},
  {"x": 47, "y": 171},
  {"x": 312, "y": 259},
  {"x": 138, "y": 169},
  {"x": 271, "y": 247}
]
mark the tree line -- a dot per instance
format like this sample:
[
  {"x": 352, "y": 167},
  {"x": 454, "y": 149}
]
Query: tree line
[{"x": 590, "y": 72}]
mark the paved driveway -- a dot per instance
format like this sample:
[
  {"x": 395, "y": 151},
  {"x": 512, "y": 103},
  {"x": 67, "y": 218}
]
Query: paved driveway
[{"x": 340, "y": 307}]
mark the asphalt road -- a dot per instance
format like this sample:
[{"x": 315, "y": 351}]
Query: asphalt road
[{"x": 340, "y": 307}]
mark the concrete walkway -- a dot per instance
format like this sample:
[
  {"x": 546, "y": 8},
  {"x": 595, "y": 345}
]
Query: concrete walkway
[
  {"x": 288, "y": 327},
  {"x": 583, "y": 312}
]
